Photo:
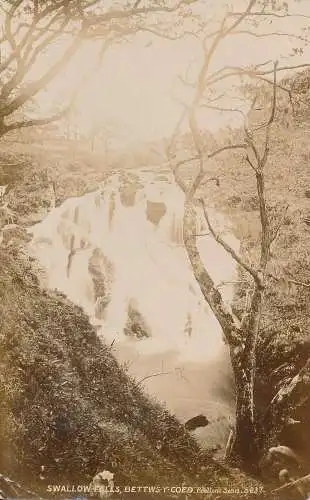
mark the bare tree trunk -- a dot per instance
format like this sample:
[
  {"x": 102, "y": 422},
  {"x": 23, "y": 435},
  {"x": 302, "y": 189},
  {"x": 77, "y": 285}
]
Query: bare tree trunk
[
  {"x": 204, "y": 280},
  {"x": 243, "y": 359},
  {"x": 242, "y": 340},
  {"x": 245, "y": 448}
]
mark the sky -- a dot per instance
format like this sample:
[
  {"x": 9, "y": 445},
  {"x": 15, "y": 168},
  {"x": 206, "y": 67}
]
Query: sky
[{"x": 138, "y": 87}]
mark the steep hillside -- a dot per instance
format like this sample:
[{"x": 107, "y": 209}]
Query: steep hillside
[{"x": 68, "y": 411}]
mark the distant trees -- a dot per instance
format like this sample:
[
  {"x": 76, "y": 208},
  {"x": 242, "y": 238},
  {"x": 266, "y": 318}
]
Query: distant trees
[
  {"x": 241, "y": 333},
  {"x": 100, "y": 134}
]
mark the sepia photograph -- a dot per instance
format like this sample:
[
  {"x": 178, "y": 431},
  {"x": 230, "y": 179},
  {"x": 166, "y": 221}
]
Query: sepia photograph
[{"x": 155, "y": 249}]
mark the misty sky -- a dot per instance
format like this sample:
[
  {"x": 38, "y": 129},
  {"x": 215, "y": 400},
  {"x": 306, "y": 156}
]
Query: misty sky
[{"x": 137, "y": 81}]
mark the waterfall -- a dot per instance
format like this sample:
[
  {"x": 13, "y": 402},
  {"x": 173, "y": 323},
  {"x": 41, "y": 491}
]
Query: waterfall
[{"x": 118, "y": 252}]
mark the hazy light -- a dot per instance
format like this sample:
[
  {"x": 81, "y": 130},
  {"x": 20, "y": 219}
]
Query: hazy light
[{"x": 137, "y": 84}]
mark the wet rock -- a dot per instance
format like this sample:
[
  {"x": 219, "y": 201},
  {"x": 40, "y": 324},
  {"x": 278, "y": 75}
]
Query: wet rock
[
  {"x": 129, "y": 186},
  {"x": 136, "y": 325},
  {"x": 155, "y": 211},
  {"x": 196, "y": 422},
  {"x": 102, "y": 273},
  {"x": 100, "y": 306}
]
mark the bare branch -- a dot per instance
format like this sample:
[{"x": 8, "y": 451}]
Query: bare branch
[
  {"x": 279, "y": 86},
  {"x": 222, "y": 33},
  {"x": 170, "y": 36},
  {"x": 102, "y": 19},
  {"x": 228, "y": 283},
  {"x": 222, "y": 109},
  {"x": 226, "y": 148},
  {"x": 33, "y": 88},
  {"x": 270, "y": 34},
  {"x": 247, "y": 159},
  {"x": 200, "y": 235},
  {"x": 228, "y": 322},
  {"x": 48, "y": 23},
  {"x": 66, "y": 110},
  {"x": 209, "y": 156},
  {"x": 233, "y": 71},
  {"x": 8, "y": 31},
  {"x": 263, "y": 13},
  {"x": 264, "y": 220},
  {"x": 296, "y": 482},
  {"x": 288, "y": 280},
  {"x": 227, "y": 247},
  {"x": 187, "y": 160},
  {"x": 241, "y": 17},
  {"x": 39, "y": 121},
  {"x": 159, "y": 374},
  {"x": 275, "y": 231},
  {"x": 273, "y": 108}
]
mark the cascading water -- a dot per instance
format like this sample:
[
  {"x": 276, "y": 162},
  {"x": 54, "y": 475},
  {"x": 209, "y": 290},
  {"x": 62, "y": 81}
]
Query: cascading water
[{"x": 118, "y": 252}]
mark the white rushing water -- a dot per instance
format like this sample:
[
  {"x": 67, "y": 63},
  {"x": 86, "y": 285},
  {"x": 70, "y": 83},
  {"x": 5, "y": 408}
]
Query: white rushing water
[
  {"x": 150, "y": 268},
  {"x": 118, "y": 252}
]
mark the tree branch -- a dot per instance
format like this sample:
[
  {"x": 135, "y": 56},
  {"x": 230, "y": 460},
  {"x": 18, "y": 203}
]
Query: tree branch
[
  {"x": 33, "y": 88},
  {"x": 227, "y": 247},
  {"x": 268, "y": 14},
  {"x": 291, "y": 484},
  {"x": 229, "y": 323},
  {"x": 226, "y": 148},
  {"x": 67, "y": 109},
  {"x": 288, "y": 280},
  {"x": 39, "y": 121},
  {"x": 275, "y": 231},
  {"x": 154, "y": 375}
]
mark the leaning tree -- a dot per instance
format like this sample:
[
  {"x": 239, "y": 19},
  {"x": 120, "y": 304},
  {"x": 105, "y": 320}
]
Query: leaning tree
[{"x": 242, "y": 332}]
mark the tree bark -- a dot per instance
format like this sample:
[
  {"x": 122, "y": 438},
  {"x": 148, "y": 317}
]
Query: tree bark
[
  {"x": 245, "y": 449},
  {"x": 209, "y": 291}
]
